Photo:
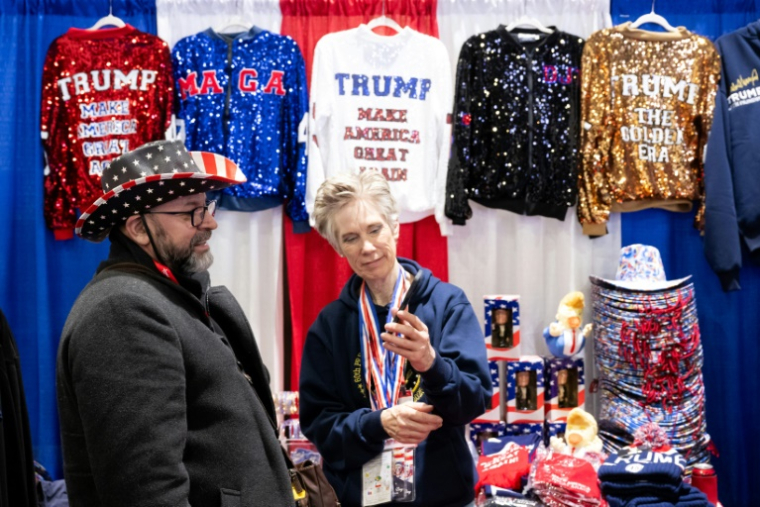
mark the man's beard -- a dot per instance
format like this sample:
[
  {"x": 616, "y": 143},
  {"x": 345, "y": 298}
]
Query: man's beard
[{"x": 184, "y": 259}]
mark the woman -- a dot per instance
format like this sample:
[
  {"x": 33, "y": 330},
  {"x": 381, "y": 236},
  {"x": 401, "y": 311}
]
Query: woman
[{"x": 438, "y": 337}]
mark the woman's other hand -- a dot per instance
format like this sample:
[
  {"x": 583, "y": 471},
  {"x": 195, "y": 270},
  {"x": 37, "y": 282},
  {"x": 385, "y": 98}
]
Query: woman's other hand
[
  {"x": 410, "y": 423},
  {"x": 414, "y": 342}
]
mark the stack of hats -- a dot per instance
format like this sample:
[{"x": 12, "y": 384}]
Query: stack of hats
[
  {"x": 642, "y": 477},
  {"x": 649, "y": 355}
]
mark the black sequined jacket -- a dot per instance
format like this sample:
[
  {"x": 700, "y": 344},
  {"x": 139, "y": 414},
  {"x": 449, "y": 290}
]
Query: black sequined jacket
[{"x": 516, "y": 124}]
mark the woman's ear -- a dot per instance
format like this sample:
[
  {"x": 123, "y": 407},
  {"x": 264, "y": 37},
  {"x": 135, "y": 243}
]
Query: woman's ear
[
  {"x": 396, "y": 227},
  {"x": 134, "y": 229}
]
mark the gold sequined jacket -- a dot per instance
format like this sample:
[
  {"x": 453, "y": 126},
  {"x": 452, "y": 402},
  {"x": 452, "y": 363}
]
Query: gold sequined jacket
[{"x": 646, "y": 105}]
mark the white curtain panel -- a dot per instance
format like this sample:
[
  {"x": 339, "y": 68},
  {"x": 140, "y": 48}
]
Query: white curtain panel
[
  {"x": 180, "y": 18},
  {"x": 247, "y": 247},
  {"x": 499, "y": 252}
]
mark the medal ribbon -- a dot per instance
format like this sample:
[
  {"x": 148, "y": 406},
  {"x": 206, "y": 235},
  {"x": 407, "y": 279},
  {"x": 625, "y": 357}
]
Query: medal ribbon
[{"x": 382, "y": 369}]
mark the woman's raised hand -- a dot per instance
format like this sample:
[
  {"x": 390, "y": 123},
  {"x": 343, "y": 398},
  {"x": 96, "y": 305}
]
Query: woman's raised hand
[{"x": 414, "y": 342}]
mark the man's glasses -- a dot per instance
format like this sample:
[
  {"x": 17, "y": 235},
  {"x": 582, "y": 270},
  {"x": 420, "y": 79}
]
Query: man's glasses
[{"x": 196, "y": 214}]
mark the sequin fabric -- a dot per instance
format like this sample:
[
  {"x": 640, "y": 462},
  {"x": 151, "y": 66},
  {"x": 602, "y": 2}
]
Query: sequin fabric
[
  {"x": 647, "y": 108},
  {"x": 244, "y": 96},
  {"x": 104, "y": 93},
  {"x": 516, "y": 124}
]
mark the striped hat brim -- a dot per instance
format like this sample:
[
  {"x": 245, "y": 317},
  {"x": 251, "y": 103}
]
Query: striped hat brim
[{"x": 640, "y": 285}]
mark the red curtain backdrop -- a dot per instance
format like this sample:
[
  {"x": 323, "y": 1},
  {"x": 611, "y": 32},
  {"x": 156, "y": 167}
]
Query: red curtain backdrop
[{"x": 316, "y": 274}]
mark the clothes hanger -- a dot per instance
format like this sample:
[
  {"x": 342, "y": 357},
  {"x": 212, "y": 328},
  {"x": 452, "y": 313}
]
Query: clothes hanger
[
  {"x": 653, "y": 18},
  {"x": 528, "y": 21},
  {"x": 236, "y": 25},
  {"x": 383, "y": 20},
  {"x": 234, "y": 28},
  {"x": 109, "y": 20}
]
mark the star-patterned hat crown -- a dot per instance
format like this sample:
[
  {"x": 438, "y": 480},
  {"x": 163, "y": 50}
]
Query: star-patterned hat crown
[{"x": 151, "y": 175}]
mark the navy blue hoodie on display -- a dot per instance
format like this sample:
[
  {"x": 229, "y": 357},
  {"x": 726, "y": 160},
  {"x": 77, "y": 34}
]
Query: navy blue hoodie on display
[
  {"x": 732, "y": 164},
  {"x": 335, "y": 409}
]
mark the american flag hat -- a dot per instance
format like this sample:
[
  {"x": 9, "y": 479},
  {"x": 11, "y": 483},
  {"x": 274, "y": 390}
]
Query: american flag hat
[
  {"x": 151, "y": 175},
  {"x": 640, "y": 269}
]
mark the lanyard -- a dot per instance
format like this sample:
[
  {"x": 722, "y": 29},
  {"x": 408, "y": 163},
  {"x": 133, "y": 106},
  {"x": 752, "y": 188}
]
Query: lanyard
[
  {"x": 165, "y": 271},
  {"x": 382, "y": 369}
]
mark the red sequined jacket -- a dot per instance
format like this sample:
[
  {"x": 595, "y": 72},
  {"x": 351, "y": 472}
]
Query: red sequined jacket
[{"x": 104, "y": 92}]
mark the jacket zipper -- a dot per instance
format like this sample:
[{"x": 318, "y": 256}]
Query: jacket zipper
[
  {"x": 226, "y": 115},
  {"x": 530, "y": 111}
]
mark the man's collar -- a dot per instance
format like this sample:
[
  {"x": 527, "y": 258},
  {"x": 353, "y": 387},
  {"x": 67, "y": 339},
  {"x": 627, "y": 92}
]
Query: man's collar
[{"x": 123, "y": 249}]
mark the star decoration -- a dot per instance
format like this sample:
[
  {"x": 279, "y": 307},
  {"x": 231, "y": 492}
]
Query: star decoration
[
  {"x": 185, "y": 164},
  {"x": 150, "y": 190},
  {"x": 123, "y": 169},
  {"x": 171, "y": 192},
  {"x": 136, "y": 162},
  {"x": 126, "y": 205},
  {"x": 192, "y": 190},
  {"x": 113, "y": 211},
  {"x": 159, "y": 199},
  {"x": 181, "y": 183},
  {"x": 149, "y": 156},
  {"x": 160, "y": 148},
  {"x": 166, "y": 159},
  {"x": 138, "y": 198},
  {"x": 115, "y": 178},
  {"x": 143, "y": 173},
  {"x": 179, "y": 152}
]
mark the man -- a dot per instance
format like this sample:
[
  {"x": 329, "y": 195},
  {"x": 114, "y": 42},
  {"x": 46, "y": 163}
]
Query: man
[
  {"x": 563, "y": 389},
  {"x": 525, "y": 392},
  {"x": 501, "y": 334},
  {"x": 163, "y": 397}
]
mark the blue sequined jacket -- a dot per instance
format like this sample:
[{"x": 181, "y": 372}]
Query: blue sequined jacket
[
  {"x": 516, "y": 124},
  {"x": 244, "y": 96}
]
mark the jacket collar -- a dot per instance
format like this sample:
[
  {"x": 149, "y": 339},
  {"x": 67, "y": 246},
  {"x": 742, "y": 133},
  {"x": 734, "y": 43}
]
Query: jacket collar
[
  {"x": 545, "y": 41},
  {"x": 350, "y": 293},
  {"x": 124, "y": 250}
]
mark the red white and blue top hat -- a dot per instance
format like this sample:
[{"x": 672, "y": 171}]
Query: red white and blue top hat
[{"x": 151, "y": 175}]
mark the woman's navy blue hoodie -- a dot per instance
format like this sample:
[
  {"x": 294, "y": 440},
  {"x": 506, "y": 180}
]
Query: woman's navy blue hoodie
[
  {"x": 732, "y": 163},
  {"x": 335, "y": 409}
]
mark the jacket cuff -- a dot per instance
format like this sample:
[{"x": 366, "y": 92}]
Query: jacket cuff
[
  {"x": 438, "y": 374},
  {"x": 730, "y": 280},
  {"x": 63, "y": 234},
  {"x": 372, "y": 427},
  {"x": 595, "y": 230},
  {"x": 301, "y": 227}
]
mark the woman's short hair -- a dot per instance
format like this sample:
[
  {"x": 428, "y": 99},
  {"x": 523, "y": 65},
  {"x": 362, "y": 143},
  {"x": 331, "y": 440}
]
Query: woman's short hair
[{"x": 343, "y": 189}]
